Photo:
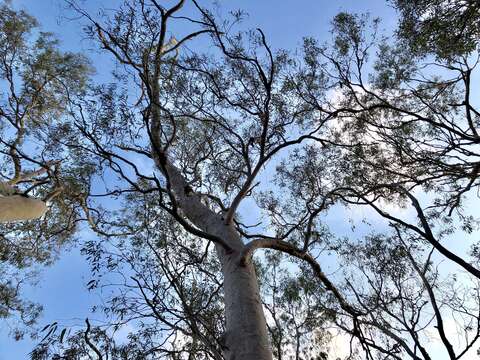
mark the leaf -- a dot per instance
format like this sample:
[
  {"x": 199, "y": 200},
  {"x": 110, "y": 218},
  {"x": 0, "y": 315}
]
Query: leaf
[
  {"x": 50, "y": 332},
  {"x": 62, "y": 334}
]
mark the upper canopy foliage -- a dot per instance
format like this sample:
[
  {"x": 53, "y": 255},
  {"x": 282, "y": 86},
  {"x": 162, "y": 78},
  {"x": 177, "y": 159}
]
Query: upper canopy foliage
[{"x": 446, "y": 28}]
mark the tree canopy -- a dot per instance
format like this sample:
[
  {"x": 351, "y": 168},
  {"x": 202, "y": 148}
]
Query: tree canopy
[{"x": 209, "y": 174}]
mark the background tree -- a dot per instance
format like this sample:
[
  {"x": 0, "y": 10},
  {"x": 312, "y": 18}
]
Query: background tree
[
  {"x": 407, "y": 134},
  {"x": 417, "y": 128},
  {"x": 36, "y": 78}
]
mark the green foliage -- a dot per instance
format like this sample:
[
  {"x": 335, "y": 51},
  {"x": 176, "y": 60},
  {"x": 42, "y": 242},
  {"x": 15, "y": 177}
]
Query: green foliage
[
  {"x": 446, "y": 29},
  {"x": 367, "y": 122},
  {"x": 37, "y": 81}
]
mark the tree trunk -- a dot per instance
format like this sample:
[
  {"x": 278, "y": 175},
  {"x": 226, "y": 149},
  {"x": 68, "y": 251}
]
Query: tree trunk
[{"x": 246, "y": 335}]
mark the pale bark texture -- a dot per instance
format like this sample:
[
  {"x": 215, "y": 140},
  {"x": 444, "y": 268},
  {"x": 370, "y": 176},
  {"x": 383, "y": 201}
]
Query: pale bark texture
[
  {"x": 17, "y": 208},
  {"x": 246, "y": 336}
]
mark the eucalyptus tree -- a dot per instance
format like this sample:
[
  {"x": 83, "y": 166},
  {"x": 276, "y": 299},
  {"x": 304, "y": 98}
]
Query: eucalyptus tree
[
  {"x": 35, "y": 80},
  {"x": 204, "y": 126}
]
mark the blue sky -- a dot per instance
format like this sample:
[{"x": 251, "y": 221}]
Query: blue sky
[{"x": 61, "y": 288}]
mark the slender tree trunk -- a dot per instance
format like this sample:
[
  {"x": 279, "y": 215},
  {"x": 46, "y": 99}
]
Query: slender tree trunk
[{"x": 246, "y": 335}]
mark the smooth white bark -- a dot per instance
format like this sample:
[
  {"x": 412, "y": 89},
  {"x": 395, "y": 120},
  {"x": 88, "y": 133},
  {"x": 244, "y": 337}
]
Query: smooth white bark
[
  {"x": 17, "y": 208},
  {"x": 246, "y": 337}
]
